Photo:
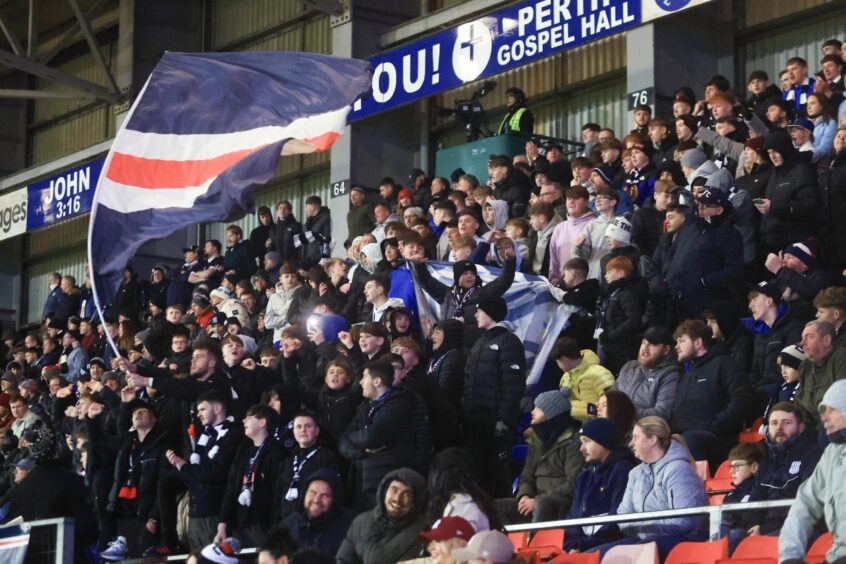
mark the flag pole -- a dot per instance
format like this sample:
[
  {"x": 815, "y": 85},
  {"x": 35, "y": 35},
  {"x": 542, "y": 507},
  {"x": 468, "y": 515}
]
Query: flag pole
[{"x": 94, "y": 294}]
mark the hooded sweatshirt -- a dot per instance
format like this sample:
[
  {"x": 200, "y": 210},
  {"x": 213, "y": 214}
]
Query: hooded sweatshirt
[
  {"x": 562, "y": 242},
  {"x": 376, "y": 538},
  {"x": 595, "y": 245},
  {"x": 326, "y": 531},
  {"x": 669, "y": 483}
]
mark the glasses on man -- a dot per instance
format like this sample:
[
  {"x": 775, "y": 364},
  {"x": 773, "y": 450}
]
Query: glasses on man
[{"x": 736, "y": 466}]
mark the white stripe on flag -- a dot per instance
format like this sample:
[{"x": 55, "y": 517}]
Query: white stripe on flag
[
  {"x": 126, "y": 199},
  {"x": 202, "y": 146}
]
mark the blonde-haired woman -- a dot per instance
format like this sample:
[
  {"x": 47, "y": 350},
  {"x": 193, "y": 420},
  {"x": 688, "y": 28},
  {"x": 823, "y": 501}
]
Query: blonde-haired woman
[{"x": 665, "y": 479}]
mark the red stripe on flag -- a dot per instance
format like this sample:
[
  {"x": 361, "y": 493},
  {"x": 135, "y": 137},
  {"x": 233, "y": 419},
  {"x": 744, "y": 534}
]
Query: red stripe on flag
[
  {"x": 158, "y": 173},
  {"x": 323, "y": 142}
]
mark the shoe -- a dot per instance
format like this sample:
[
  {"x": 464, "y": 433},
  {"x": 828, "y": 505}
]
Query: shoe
[
  {"x": 159, "y": 550},
  {"x": 116, "y": 550}
]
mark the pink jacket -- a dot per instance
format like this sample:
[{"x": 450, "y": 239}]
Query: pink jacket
[{"x": 562, "y": 242}]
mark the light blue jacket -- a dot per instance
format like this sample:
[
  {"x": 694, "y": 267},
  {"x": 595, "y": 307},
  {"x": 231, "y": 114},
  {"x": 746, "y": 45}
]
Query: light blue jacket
[
  {"x": 77, "y": 360},
  {"x": 670, "y": 483},
  {"x": 823, "y": 137},
  {"x": 819, "y": 497}
]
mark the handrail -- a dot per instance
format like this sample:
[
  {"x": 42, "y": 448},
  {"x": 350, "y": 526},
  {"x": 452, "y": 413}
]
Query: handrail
[
  {"x": 714, "y": 513},
  {"x": 64, "y": 535}
]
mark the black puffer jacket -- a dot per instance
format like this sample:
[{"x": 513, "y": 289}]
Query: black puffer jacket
[
  {"x": 620, "y": 315},
  {"x": 713, "y": 395},
  {"x": 494, "y": 378},
  {"x": 792, "y": 191},
  {"x": 320, "y": 228},
  {"x": 832, "y": 189},
  {"x": 381, "y": 424},
  {"x": 647, "y": 226},
  {"x": 283, "y": 233},
  {"x": 514, "y": 190},
  {"x": 375, "y": 538}
]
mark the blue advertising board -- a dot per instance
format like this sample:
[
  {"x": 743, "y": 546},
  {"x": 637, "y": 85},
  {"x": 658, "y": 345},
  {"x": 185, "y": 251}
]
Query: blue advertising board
[
  {"x": 493, "y": 43},
  {"x": 63, "y": 196}
]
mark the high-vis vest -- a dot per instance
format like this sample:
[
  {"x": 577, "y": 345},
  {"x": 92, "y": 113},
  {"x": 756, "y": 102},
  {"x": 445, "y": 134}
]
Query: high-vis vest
[{"x": 512, "y": 123}]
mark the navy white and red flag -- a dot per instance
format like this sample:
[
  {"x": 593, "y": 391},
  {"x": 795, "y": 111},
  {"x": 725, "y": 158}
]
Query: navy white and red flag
[{"x": 205, "y": 129}]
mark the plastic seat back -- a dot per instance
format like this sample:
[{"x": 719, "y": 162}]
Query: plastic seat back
[
  {"x": 519, "y": 540},
  {"x": 583, "y": 558},
  {"x": 698, "y": 552},
  {"x": 751, "y": 435},
  {"x": 632, "y": 554},
  {"x": 757, "y": 546},
  {"x": 548, "y": 537},
  {"x": 816, "y": 554},
  {"x": 716, "y": 499},
  {"x": 723, "y": 470},
  {"x": 747, "y": 561}
]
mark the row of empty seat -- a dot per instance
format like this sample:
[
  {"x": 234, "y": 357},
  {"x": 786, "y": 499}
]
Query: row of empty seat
[{"x": 546, "y": 546}]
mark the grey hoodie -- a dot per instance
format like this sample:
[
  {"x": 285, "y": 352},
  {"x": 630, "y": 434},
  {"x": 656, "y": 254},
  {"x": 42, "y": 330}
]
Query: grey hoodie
[
  {"x": 670, "y": 483},
  {"x": 705, "y": 169}
]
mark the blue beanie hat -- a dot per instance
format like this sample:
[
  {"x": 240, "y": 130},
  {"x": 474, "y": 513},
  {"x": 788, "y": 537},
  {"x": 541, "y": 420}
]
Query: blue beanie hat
[
  {"x": 602, "y": 431},
  {"x": 332, "y": 325}
]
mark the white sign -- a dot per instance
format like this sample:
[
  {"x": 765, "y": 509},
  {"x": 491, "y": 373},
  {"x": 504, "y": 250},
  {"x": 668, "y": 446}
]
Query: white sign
[{"x": 13, "y": 214}]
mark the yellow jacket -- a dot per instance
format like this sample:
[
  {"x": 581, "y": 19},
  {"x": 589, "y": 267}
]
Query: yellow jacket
[{"x": 587, "y": 382}]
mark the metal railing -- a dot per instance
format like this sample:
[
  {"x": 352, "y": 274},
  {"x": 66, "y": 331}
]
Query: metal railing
[
  {"x": 50, "y": 540},
  {"x": 58, "y": 548},
  {"x": 714, "y": 513}
]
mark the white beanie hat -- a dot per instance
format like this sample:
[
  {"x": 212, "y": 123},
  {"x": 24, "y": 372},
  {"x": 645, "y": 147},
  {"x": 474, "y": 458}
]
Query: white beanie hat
[{"x": 620, "y": 229}]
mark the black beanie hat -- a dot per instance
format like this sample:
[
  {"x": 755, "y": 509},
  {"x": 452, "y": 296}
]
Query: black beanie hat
[
  {"x": 453, "y": 333},
  {"x": 494, "y": 306},
  {"x": 461, "y": 267}
]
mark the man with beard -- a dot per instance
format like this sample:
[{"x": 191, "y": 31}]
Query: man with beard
[
  {"x": 651, "y": 380},
  {"x": 388, "y": 533},
  {"x": 792, "y": 455},
  {"x": 824, "y": 364},
  {"x": 321, "y": 520},
  {"x": 713, "y": 396}
]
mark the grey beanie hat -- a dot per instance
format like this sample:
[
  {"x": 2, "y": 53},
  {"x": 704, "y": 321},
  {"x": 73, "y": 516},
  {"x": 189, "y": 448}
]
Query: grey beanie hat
[
  {"x": 554, "y": 402},
  {"x": 835, "y": 397},
  {"x": 693, "y": 158}
]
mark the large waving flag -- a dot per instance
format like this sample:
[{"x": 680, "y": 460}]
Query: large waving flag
[
  {"x": 535, "y": 311},
  {"x": 205, "y": 129}
]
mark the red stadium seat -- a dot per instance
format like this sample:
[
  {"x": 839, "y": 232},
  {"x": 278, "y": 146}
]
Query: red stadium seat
[
  {"x": 698, "y": 552},
  {"x": 757, "y": 546},
  {"x": 519, "y": 540},
  {"x": 723, "y": 470},
  {"x": 751, "y": 434},
  {"x": 582, "y": 558},
  {"x": 548, "y": 537},
  {"x": 632, "y": 554},
  {"x": 816, "y": 554}
]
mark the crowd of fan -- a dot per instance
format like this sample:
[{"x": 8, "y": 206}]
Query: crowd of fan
[{"x": 301, "y": 401}]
